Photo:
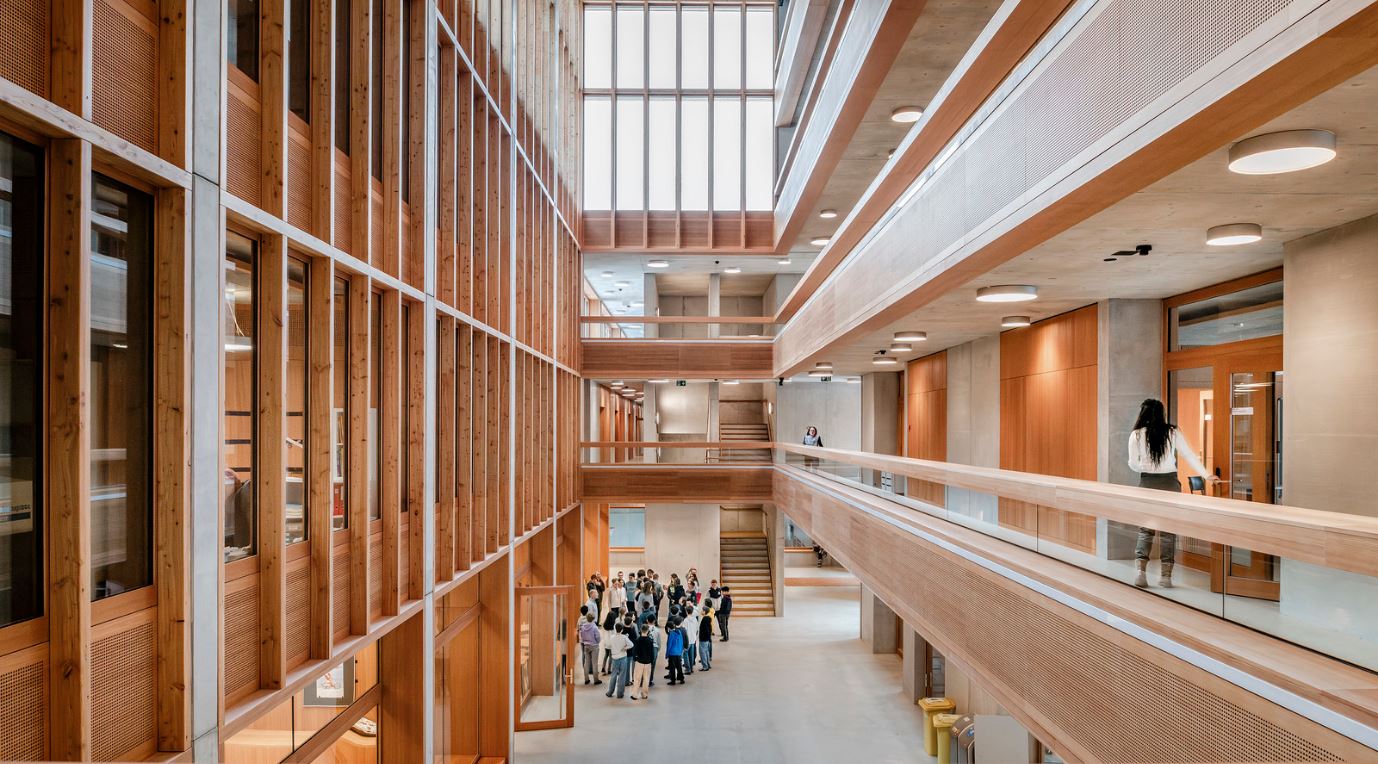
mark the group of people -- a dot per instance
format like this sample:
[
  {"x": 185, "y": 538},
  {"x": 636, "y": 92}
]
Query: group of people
[{"x": 633, "y": 619}]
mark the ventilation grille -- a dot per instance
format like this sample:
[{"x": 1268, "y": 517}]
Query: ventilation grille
[
  {"x": 344, "y": 213},
  {"x": 299, "y": 183},
  {"x": 339, "y": 594},
  {"x": 241, "y": 641},
  {"x": 298, "y": 612},
  {"x": 24, "y": 698},
  {"x": 24, "y": 52},
  {"x": 123, "y": 692},
  {"x": 243, "y": 160},
  {"x": 124, "y": 50}
]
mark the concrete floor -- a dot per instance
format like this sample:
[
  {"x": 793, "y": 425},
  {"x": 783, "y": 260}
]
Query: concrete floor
[{"x": 798, "y": 689}]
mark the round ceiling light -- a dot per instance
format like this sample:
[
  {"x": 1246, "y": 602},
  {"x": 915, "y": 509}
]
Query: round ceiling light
[
  {"x": 906, "y": 114},
  {"x": 782, "y": 261},
  {"x": 1234, "y": 234},
  {"x": 819, "y": 241},
  {"x": 658, "y": 264},
  {"x": 827, "y": 214},
  {"x": 615, "y": 385},
  {"x": 824, "y": 365},
  {"x": 733, "y": 269},
  {"x": 1014, "y": 322},
  {"x": 882, "y": 360},
  {"x": 853, "y": 380},
  {"x": 910, "y": 336},
  {"x": 1007, "y": 293},
  {"x": 729, "y": 382},
  {"x": 901, "y": 347},
  {"x": 1287, "y": 151},
  {"x": 622, "y": 283},
  {"x": 820, "y": 373},
  {"x": 607, "y": 274},
  {"x": 658, "y": 381}
]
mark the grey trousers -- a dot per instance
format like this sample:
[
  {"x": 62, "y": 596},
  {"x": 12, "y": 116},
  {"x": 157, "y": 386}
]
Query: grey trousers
[
  {"x": 1167, "y": 546},
  {"x": 590, "y": 661}
]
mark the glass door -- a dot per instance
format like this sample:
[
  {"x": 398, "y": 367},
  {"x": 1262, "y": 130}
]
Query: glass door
[
  {"x": 1255, "y": 465},
  {"x": 543, "y": 697}
]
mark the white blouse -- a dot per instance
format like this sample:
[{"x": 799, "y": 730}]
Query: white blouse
[{"x": 1141, "y": 460}]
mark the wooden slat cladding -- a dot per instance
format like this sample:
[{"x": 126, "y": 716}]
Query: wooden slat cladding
[
  {"x": 676, "y": 485},
  {"x": 125, "y": 70},
  {"x": 650, "y": 359},
  {"x": 925, "y": 412},
  {"x": 1057, "y": 670},
  {"x": 24, "y": 56}
]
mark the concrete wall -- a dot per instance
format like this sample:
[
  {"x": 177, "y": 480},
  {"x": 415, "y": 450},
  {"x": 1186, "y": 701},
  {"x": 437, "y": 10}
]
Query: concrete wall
[
  {"x": 880, "y": 412},
  {"x": 833, "y": 407},
  {"x": 679, "y": 305},
  {"x": 775, "y": 294},
  {"x": 683, "y": 536},
  {"x": 683, "y": 410},
  {"x": 973, "y": 418},
  {"x": 877, "y": 623}
]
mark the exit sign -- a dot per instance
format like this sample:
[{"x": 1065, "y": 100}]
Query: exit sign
[{"x": 681, "y": 383}]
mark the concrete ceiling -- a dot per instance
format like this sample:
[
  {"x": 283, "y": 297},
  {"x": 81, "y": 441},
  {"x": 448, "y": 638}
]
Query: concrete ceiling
[
  {"x": 1172, "y": 215},
  {"x": 631, "y": 269},
  {"x": 943, "y": 33}
]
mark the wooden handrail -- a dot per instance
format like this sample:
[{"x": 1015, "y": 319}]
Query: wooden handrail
[
  {"x": 677, "y": 319},
  {"x": 724, "y": 445}
]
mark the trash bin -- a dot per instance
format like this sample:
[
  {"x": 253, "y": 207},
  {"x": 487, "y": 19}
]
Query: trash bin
[
  {"x": 932, "y": 706},
  {"x": 942, "y": 730},
  {"x": 964, "y": 739}
]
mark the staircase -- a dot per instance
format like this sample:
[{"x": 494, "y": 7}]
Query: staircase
[
  {"x": 746, "y": 568},
  {"x": 758, "y": 432}
]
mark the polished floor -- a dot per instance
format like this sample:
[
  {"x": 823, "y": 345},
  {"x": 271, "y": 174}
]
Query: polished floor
[{"x": 799, "y": 689}]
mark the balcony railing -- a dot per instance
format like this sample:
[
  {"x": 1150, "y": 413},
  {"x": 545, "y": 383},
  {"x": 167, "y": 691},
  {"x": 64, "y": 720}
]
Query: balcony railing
[
  {"x": 691, "y": 452},
  {"x": 678, "y": 327}
]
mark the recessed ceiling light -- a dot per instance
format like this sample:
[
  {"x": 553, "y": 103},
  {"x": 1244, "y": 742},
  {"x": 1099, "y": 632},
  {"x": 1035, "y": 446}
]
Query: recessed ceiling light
[
  {"x": 622, "y": 283},
  {"x": 607, "y": 274},
  {"x": 827, "y": 214},
  {"x": 910, "y": 336},
  {"x": 1007, "y": 293},
  {"x": 658, "y": 381},
  {"x": 819, "y": 241},
  {"x": 729, "y": 381},
  {"x": 615, "y": 385},
  {"x": 733, "y": 269},
  {"x": 901, "y": 347},
  {"x": 782, "y": 261},
  {"x": 906, "y": 114},
  {"x": 825, "y": 365},
  {"x": 658, "y": 264},
  {"x": 884, "y": 360},
  {"x": 1287, "y": 151},
  {"x": 1013, "y": 322},
  {"x": 820, "y": 373},
  {"x": 1234, "y": 234},
  {"x": 853, "y": 380}
]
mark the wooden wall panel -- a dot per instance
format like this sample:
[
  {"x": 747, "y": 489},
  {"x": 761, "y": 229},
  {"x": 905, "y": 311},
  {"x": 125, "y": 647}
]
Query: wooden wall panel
[
  {"x": 925, "y": 407},
  {"x": 649, "y": 359},
  {"x": 687, "y": 485}
]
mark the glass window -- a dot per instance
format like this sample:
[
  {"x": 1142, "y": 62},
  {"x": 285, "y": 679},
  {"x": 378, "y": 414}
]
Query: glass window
[
  {"x": 358, "y": 746},
  {"x": 760, "y": 154},
  {"x": 727, "y": 48},
  {"x": 660, "y": 192},
  {"x": 598, "y": 153},
  {"x": 630, "y": 145},
  {"x": 693, "y": 152},
  {"x": 22, "y": 338},
  {"x": 694, "y": 48},
  {"x": 299, "y": 59},
  {"x": 760, "y": 49},
  {"x": 631, "y": 47},
  {"x": 241, "y": 36},
  {"x": 121, "y": 394},
  {"x": 1243, "y": 315},
  {"x": 375, "y": 394},
  {"x": 339, "y": 429},
  {"x": 297, "y": 339},
  {"x": 727, "y": 154},
  {"x": 626, "y": 526},
  {"x": 597, "y": 48},
  {"x": 241, "y": 355},
  {"x": 662, "y": 48},
  {"x": 342, "y": 76},
  {"x": 375, "y": 97}
]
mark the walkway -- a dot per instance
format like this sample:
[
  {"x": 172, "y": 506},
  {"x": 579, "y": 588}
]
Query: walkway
[{"x": 797, "y": 689}]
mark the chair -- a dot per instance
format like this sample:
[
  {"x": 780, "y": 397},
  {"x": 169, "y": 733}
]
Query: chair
[{"x": 1197, "y": 484}]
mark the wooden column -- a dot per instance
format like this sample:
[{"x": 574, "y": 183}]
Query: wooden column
[
  {"x": 272, "y": 25},
  {"x": 445, "y": 243},
  {"x": 393, "y": 156},
  {"x": 271, "y": 469},
  {"x": 391, "y": 443},
  {"x": 404, "y": 705},
  {"x": 445, "y": 449},
  {"x": 319, "y": 449},
  {"x": 360, "y": 172},
  {"x": 464, "y": 469},
  {"x": 69, "y": 74},
  {"x": 174, "y": 84},
  {"x": 416, "y": 443},
  {"x": 171, "y": 460},
  {"x": 357, "y": 447},
  {"x": 68, "y": 446},
  {"x": 495, "y": 635},
  {"x": 322, "y": 118}
]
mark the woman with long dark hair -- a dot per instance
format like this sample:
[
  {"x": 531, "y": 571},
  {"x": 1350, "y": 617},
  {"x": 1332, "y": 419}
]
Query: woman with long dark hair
[{"x": 1153, "y": 449}]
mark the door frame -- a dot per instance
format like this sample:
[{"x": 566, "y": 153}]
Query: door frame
[{"x": 570, "y": 640}]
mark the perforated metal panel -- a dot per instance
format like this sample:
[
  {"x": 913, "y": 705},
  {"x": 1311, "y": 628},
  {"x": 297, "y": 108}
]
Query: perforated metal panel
[
  {"x": 23, "y": 707},
  {"x": 123, "y": 692},
  {"x": 24, "y": 52},
  {"x": 298, "y": 612},
  {"x": 241, "y": 641},
  {"x": 243, "y": 161},
  {"x": 124, "y": 73},
  {"x": 299, "y": 184},
  {"x": 339, "y": 594}
]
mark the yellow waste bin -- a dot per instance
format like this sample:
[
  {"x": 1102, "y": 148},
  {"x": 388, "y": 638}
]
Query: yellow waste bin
[
  {"x": 932, "y": 706},
  {"x": 942, "y": 730}
]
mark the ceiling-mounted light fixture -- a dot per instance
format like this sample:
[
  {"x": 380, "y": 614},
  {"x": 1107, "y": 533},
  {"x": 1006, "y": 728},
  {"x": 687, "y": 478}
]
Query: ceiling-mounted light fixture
[
  {"x": 819, "y": 241},
  {"x": 1234, "y": 234},
  {"x": 910, "y": 336},
  {"x": 658, "y": 264},
  {"x": 658, "y": 381},
  {"x": 827, "y": 214},
  {"x": 822, "y": 369},
  {"x": 1007, "y": 293},
  {"x": 906, "y": 114},
  {"x": 901, "y": 347},
  {"x": 607, "y": 274},
  {"x": 616, "y": 385},
  {"x": 1287, "y": 151},
  {"x": 1014, "y": 322},
  {"x": 782, "y": 261},
  {"x": 853, "y": 380},
  {"x": 824, "y": 365},
  {"x": 732, "y": 269},
  {"x": 623, "y": 284},
  {"x": 729, "y": 381},
  {"x": 881, "y": 359}
]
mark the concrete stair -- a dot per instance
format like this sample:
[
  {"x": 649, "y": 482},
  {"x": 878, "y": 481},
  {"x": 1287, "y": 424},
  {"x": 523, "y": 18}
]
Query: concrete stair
[{"x": 745, "y": 567}]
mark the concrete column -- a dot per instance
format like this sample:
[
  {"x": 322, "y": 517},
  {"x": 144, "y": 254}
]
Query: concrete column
[
  {"x": 775, "y": 545},
  {"x": 775, "y": 295},
  {"x": 880, "y": 413},
  {"x": 973, "y": 419},
  {"x": 650, "y": 430},
  {"x": 877, "y": 622},
  {"x": 1129, "y": 368},
  {"x": 650, "y": 304},
  {"x": 714, "y": 302},
  {"x": 913, "y": 672},
  {"x": 712, "y": 411}
]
